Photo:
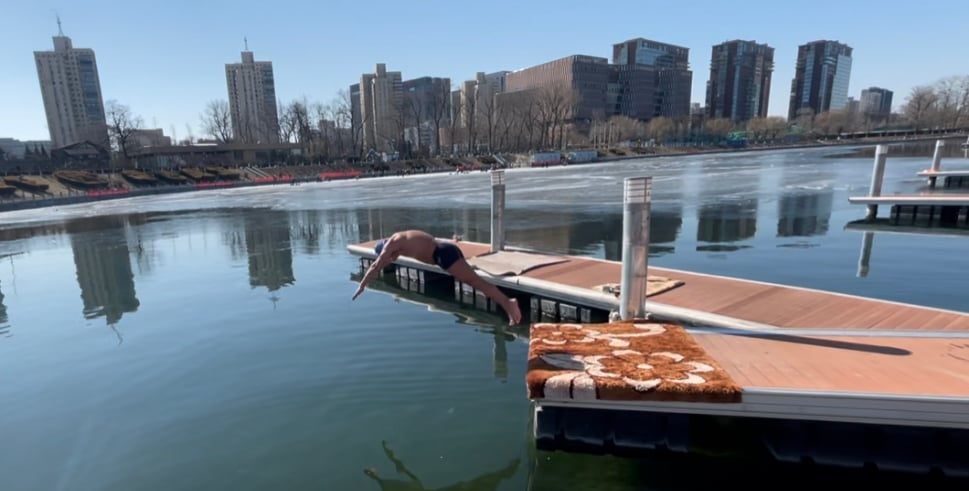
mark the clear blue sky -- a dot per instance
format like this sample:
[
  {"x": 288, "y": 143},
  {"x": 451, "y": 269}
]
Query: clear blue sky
[{"x": 165, "y": 59}]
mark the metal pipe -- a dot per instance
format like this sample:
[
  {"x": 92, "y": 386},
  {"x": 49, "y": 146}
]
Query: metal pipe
[
  {"x": 877, "y": 176},
  {"x": 497, "y": 210},
  {"x": 635, "y": 247},
  {"x": 936, "y": 160}
]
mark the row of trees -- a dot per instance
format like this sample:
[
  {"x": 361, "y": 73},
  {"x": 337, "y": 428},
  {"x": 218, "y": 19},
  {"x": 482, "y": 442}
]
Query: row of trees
[{"x": 482, "y": 121}]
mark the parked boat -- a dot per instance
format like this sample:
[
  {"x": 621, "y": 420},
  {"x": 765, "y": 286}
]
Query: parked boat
[
  {"x": 139, "y": 177},
  {"x": 196, "y": 174},
  {"x": 171, "y": 177},
  {"x": 81, "y": 179},
  {"x": 223, "y": 173},
  {"x": 27, "y": 184}
]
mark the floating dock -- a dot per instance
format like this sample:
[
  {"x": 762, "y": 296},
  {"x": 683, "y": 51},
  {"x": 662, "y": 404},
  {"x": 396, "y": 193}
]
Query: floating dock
[
  {"x": 931, "y": 208},
  {"x": 895, "y": 372},
  {"x": 625, "y": 357}
]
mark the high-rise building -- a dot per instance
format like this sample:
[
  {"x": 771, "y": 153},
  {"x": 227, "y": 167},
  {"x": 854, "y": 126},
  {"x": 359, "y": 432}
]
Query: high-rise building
[
  {"x": 673, "y": 80},
  {"x": 586, "y": 78},
  {"x": 821, "y": 78},
  {"x": 427, "y": 109},
  {"x": 71, "y": 91},
  {"x": 381, "y": 100},
  {"x": 739, "y": 85},
  {"x": 252, "y": 100},
  {"x": 876, "y": 102}
]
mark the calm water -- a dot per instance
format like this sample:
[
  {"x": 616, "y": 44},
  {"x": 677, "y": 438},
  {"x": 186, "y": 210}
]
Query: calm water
[{"x": 208, "y": 341}]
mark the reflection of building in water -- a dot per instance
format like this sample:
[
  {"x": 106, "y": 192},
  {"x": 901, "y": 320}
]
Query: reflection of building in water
[
  {"x": 664, "y": 227},
  {"x": 269, "y": 249},
  {"x": 103, "y": 265},
  {"x": 472, "y": 224},
  {"x": 727, "y": 222},
  {"x": 804, "y": 214},
  {"x": 3, "y": 310},
  {"x": 308, "y": 229}
]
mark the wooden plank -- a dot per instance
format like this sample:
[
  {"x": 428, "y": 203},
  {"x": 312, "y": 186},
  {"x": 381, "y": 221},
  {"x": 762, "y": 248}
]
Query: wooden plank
[{"x": 869, "y": 364}]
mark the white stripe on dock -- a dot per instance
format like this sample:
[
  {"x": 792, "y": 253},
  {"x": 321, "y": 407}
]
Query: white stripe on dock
[{"x": 851, "y": 407}]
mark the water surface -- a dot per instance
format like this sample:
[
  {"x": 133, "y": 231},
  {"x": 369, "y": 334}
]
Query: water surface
[{"x": 207, "y": 340}]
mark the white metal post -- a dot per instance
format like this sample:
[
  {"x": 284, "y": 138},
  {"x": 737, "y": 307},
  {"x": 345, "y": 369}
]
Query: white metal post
[
  {"x": 497, "y": 210},
  {"x": 936, "y": 160},
  {"x": 635, "y": 247},
  {"x": 877, "y": 176}
]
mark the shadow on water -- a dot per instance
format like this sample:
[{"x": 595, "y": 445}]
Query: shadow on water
[
  {"x": 484, "y": 482},
  {"x": 439, "y": 296}
]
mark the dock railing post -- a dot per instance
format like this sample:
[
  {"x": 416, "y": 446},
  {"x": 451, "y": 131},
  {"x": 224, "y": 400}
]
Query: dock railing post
[
  {"x": 497, "y": 210},
  {"x": 877, "y": 176},
  {"x": 936, "y": 160},
  {"x": 635, "y": 247}
]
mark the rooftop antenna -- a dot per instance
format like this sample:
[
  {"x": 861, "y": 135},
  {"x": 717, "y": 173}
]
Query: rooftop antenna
[
  {"x": 246, "y": 41},
  {"x": 60, "y": 31}
]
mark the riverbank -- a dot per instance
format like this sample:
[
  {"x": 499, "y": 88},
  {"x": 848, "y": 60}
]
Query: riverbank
[{"x": 59, "y": 193}]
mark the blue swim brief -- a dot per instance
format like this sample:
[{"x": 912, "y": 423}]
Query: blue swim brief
[{"x": 446, "y": 254}]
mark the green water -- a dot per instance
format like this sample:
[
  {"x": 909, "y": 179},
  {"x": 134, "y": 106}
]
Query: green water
[{"x": 208, "y": 341}]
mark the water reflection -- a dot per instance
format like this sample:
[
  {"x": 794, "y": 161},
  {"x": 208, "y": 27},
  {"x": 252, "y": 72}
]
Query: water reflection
[
  {"x": 868, "y": 230},
  {"x": 804, "y": 213},
  {"x": 722, "y": 224},
  {"x": 439, "y": 295},
  {"x": 484, "y": 482},
  {"x": 268, "y": 248},
  {"x": 4, "y": 327},
  {"x": 103, "y": 264}
]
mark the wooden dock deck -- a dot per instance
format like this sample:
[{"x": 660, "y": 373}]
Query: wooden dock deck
[{"x": 799, "y": 355}]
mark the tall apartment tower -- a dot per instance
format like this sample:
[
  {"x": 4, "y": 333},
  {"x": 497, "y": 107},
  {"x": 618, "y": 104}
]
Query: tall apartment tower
[
  {"x": 71, "y": 91},
  {"x": 381, "y": 98},
  {"x": 673, "y": 80},
  {"x": 876, "y": 102},
  {"x": 739, "y": 85},
  {"x": 821, "y": 77},
  {"x": 252, "y": 100}
]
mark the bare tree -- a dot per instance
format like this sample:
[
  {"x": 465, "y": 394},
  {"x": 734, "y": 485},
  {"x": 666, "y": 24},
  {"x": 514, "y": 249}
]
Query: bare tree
[
  {"x": 469, "y": 116},
  {"x": 490, "y": 114},
  {"x": 322, "y": 119},
  {"x": 216, "y": 120},
  {"x": 122, "y": 124},
  {"x": 920, "y": 106},
  {"x": 660, "y": 128},
  {"x": 439, "y": 107},
  {"x": 718, "y": 127},
  {"x": 343, "y": 111},
  {"x": 414, "y": 115},
  {"x": 774, "y": 126},
  {"x": 287, "y": 124}
]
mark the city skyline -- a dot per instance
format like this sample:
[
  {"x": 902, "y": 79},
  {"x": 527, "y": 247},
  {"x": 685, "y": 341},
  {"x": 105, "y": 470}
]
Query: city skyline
[{"x": 167, "y": 71}]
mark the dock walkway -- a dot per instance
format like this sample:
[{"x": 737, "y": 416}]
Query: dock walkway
[{"x": 798, "y": 355}]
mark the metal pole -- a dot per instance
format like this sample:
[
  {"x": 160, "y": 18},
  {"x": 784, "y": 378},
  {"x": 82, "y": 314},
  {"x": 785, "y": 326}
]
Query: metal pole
[
  {"x": 497, "y": 210},
  {"x": 936, "y": 160},
  {"x": 635, "y": 247},
  {"x": 877, "y": 176}
]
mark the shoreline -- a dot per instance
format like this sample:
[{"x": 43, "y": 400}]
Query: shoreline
[{"x": 71, "y": 196}]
